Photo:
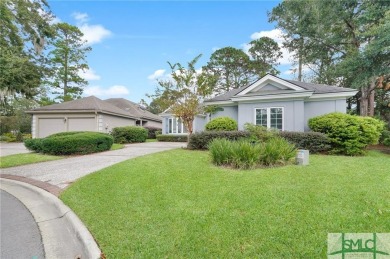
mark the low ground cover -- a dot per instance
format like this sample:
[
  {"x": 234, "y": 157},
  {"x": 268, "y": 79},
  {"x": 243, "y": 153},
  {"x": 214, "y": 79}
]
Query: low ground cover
[
  {"x": 24, "y": 159},
  {"x": 176, "y": 204}
]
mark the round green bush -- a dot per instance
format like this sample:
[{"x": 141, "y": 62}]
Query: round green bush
[
  {"x": 222, "y": 124},
  {"x": 75, "y": 143},
  {"x": 129, "y": 134},
  {"x": 348, "y": 134}
]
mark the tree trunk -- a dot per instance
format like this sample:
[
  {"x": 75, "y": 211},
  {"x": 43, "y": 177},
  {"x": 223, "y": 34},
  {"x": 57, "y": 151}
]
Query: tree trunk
[
  {"x": 371, "y": 103},
  {"x": 366, "y": 107}
]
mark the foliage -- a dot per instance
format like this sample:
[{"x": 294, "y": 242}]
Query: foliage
[
  {"x": 25, "y": 27},
  {"x": 348, "y": 134},
  {"x": 71, "y": 144},
  {"x": 172, "y": 138},
  {"x": 187, "y": 88},
  {"x": 222, "y": 124},
  {"x": 202, "y": 139},
  {"x": 259, "y": 133},
  {"x": 67, "y": 59},
  {"x": 232, "y": 68},
  {"x": 14, "y": 117},
  {"x": 315, "y": 142},
  {"x": 152, "y": 132},
  {"x": 277, "y": 151},
  {"x": 341, "y": 42},
  {"x": 265, "y": 53},
  {"x": 129, "y": 134},
  {"x": 244, "y": 154},
  {"x": 385, "y": 138}
]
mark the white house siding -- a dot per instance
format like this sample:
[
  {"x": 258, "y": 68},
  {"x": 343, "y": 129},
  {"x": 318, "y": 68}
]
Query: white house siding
[
  {"x": 293, "y": 113},
  {"x": 317, "y": 108},
  {"x": 112, "y": 121},
  {"x": 228, "y": 111}
]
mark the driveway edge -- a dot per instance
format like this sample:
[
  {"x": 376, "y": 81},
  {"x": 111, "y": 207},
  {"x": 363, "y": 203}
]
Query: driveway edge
[{"x": 63, "y": 233}]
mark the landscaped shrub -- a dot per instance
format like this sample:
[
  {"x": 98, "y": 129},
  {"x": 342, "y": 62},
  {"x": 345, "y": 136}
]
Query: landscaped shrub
[
  {"x": 277, "y": 151},
  {"x": 152, "y": 132},
  {"x": 70, "y": 144},
  {"x": 202, "y": 139},
  {"x": 259, "y": 133},
  {"x": 348, "y": 134},
  {"x": 385, "y": 138},
  {"x": 222, "y": 124},
  {"x": 8, "y": 137},
  {"x": 221, "y": 151},
  {"x": 67, "y": 133},
  {"x": 245, "y": 154},
  {"x": 129, "y": 134},
  {"x": 34, "y": 145},
  {"x": 315, "y": 142},
  {"x": 172, "y": 138}
]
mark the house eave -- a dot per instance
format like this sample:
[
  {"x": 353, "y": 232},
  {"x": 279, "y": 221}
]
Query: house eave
[
  {"x": 224, "y": 103},
  {"x": 295, "y": 95},
  {"x": 78, "y": 112},
  {"x": 339, "y": 95}
]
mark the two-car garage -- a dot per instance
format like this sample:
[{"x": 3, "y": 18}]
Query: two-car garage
[{"x": 54, "y": 124}]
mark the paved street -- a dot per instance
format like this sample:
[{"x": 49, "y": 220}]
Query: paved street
[{"x": 20, "y": 236}]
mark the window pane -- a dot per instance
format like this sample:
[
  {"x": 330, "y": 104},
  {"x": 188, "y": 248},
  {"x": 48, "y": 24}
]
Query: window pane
[
  {"x": 174, "y": 125},
  {"x": 170, "y": 126},
  {"x": 261, "y": 117},
  {"x": 276, "y": 115}
]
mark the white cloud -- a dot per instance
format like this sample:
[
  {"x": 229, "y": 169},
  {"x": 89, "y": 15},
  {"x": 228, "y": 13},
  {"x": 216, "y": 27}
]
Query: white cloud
[
  {"x": 94, "y": 33},
  {"x": 214, "y": 49},
  {"x": 158, "y": 74},
  {"x": 113, "y": 91},
  {"x": 276, "y": 35},
  {"x": 80, "y": 17},
  {"x": 89, "y": 75}
]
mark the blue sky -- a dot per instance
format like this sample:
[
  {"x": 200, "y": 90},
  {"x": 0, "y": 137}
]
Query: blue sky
[{"x": 133, "y": 40}]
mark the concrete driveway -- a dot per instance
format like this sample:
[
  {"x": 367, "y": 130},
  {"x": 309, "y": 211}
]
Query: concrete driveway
[
  {"x": 63, "y": 172},
  {"x": 7, "y": 149}
]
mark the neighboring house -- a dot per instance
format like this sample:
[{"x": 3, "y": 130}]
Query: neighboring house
[
  {"x": 86, "y": 114},
  {"x": 146, "y": 118},
  {"x": 275, "y": 103}
]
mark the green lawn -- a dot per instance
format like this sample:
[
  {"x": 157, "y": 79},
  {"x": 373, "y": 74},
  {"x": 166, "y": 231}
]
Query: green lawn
[
  {"x": 151, "y": 140},
  {"x": 24, "y": 159},
  {"x": 175, "y": 204}
]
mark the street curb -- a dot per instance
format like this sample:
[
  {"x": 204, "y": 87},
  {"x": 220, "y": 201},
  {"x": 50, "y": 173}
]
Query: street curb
[{"x": 46, "y": 210}]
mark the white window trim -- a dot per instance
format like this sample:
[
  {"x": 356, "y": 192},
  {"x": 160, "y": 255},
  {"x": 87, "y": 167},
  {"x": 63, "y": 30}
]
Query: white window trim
[
  {"x": 177, "y": 126},
  {"x": 269, "y": 115}
]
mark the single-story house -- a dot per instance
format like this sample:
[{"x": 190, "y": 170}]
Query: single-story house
[
  {"x": 272, "y": 102},
  {"x": 85, "y": 114}
]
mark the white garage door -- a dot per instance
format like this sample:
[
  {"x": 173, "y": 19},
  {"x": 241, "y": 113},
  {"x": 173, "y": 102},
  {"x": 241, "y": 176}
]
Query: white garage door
[
  {"x": 48, "y": 126},
  {"x": 82, "y": 124}
]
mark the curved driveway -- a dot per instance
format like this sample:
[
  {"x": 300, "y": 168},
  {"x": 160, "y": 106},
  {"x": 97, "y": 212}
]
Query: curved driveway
[{"x": 64, "y": 171}]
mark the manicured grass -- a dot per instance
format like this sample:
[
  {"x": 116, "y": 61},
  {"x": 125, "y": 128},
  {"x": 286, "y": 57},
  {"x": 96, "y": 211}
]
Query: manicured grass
[
  {"x": 117, "y": 146},
  {"x": 151, "y": 140},
  {"x": 24, "y": 159},
  {"x": 175, "y": 204}
]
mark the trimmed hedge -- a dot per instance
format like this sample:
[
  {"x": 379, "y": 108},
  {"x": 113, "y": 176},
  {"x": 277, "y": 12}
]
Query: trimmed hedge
[
  {"x": 129, "y": 134},
  {"x": 222, "y": 124},
  {"x": 314, "y": 141},
  {"x": 385, "y": 138},
  {"x": 172, "y": 138},
  {"x": 349, "y": 134},
  {"x": 201, "y": 140},
  {"x": 152, "y": 132},
  {"x": 75, "y": 143}
]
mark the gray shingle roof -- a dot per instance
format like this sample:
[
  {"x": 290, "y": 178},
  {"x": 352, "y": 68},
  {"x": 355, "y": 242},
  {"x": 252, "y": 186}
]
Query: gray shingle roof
[
  {"x": 90, "y": 103},
  {"x": 133, "y": 108},
  {"x": 316, "y": 88}
]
